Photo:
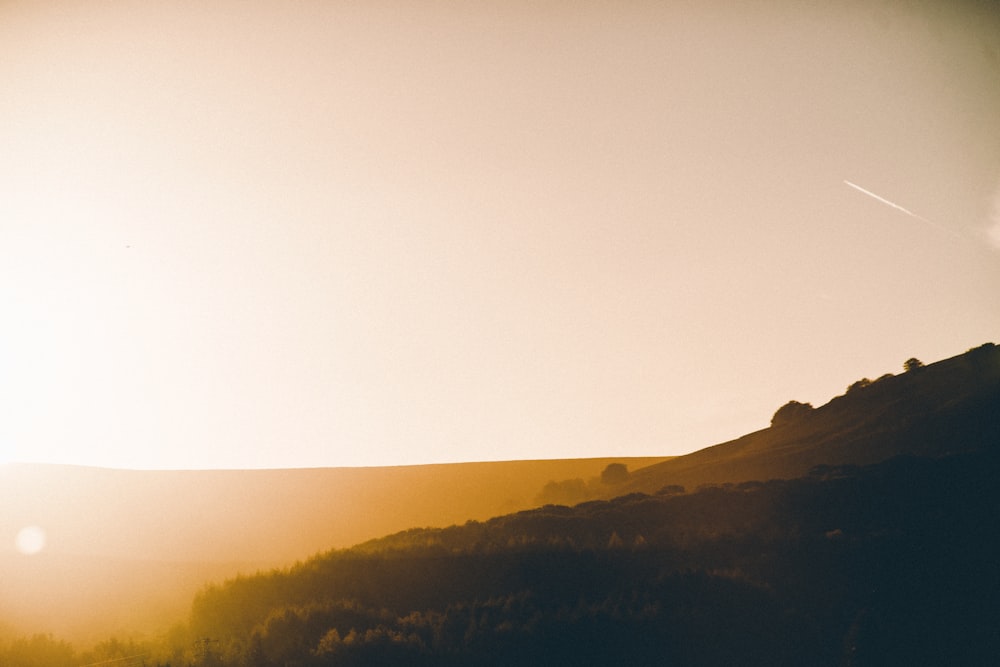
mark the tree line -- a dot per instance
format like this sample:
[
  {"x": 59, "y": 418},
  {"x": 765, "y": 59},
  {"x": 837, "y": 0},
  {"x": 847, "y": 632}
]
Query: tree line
[{"x": 878, "y": 565}]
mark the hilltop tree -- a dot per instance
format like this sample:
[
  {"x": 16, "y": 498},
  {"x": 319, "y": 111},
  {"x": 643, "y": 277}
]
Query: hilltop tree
[
  {"x": 614, "y": 474},
  {"x": 860, "y": 384},
  {"x": 791, "y": 412},
  {"x": 912, "y": 364}
]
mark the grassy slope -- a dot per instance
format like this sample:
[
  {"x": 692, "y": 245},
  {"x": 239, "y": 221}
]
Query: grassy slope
[
  {"x": 263, "y": 516},
  {"x": 932, "y": 411}
]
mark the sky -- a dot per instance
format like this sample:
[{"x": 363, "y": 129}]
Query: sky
[{"x": 269, "y": 234}]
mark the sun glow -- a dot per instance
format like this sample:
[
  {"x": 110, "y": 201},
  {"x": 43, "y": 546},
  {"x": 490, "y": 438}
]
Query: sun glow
[{"x": 214, "y": 254}]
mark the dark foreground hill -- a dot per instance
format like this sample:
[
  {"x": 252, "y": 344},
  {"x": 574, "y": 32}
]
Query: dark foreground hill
[
  {"x": 892, "y": 564},
  {"x": 889, "y": 563}
]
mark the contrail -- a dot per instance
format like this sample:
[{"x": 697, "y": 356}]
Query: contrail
[
  {"x": 885, "y": 201},
  {"x": 899, "y": 208}
]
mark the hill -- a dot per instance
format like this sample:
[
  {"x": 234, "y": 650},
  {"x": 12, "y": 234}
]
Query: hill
[
  {"x": 888, "y": 564},
  {"x": 934, "y": 410},
  {"x": 127, "y": 549},
  {"x": 859, "y": 532},
  {"x": 881, "y": 554}
]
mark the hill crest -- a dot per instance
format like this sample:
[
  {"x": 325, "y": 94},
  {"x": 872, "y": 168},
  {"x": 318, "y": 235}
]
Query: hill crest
[{"x": 937, "y": 409}]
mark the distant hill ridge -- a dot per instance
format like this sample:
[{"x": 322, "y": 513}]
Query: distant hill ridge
[{"x": 127, "y": 547}]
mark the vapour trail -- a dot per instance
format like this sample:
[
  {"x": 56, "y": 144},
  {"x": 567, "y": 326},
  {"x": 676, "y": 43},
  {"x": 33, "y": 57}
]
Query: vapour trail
[
  {"x": 886, "y": 201},
  {"x": 900, "y": 208}
]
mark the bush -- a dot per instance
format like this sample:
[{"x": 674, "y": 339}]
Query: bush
[
  {"x": 860, "y": 384},
  {"x": 791, "y": 412},
  {"x": 615, "y": 474}
]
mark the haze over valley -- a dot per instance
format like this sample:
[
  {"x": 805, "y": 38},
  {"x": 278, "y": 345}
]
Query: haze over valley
[{"x": 123, "y": 544}]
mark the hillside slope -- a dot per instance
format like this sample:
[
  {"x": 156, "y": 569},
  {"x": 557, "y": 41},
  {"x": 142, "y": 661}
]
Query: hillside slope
[
  {"x": 262, "y": 516},
  {"x": 882, "y": 554},
  {"x": 945, "y": 407},
  {"x": 890, "y": 564}
]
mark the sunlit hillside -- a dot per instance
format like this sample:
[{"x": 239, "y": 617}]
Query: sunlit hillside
[
  {"x": 935, "y": 409},
  {"x": 125, "y": 550}
]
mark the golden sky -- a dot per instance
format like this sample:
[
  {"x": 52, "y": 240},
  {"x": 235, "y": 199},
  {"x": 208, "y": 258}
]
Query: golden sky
[{"x": 280, "y": 234}]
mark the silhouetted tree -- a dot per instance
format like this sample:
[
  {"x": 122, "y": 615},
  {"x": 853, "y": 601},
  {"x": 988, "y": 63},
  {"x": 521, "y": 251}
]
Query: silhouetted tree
[
  {"x": 790, "y": 412},
  {"x": 860, "y": 384},
  {"x": 912, "y": 364},
  {"x": 614, "y": 474},
  {"x": 567, "y": 492}
]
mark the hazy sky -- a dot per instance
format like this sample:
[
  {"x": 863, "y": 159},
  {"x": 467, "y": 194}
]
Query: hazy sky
[{"x": 303, "y": 234}]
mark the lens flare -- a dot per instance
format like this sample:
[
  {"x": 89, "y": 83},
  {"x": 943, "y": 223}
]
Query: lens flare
[{"x": 30, "y": 540}]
